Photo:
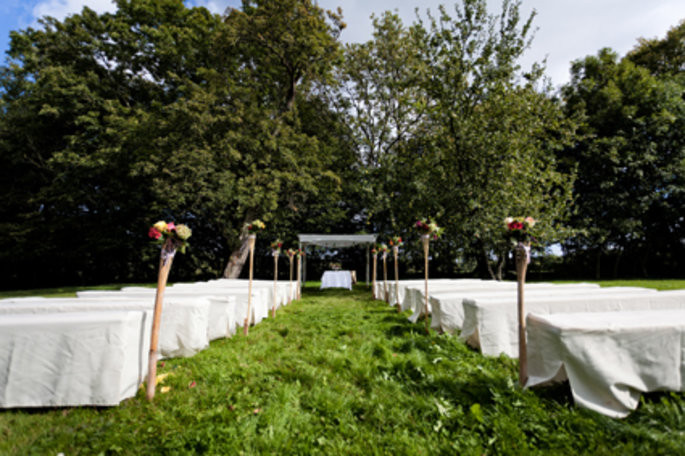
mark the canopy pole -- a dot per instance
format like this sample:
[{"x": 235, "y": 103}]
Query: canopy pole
[
  {"x": 367, "y": 265},
  {"x": 304, "y": 264}
]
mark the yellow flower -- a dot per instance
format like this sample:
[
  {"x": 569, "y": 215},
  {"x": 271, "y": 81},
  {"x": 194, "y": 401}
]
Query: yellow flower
[
  {"x": 161, "y": 226},
  {"x": 183, "y": 232}
]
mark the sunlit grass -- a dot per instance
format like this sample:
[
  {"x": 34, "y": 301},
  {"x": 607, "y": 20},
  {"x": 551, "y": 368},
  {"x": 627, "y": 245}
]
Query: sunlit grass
[{"x": 338, "y": 373}]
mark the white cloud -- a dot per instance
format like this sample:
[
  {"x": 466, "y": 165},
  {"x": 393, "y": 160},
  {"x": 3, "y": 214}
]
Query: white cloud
[
  {"x": 60, "y": 9},
  {"x": 216, "y": 6}
]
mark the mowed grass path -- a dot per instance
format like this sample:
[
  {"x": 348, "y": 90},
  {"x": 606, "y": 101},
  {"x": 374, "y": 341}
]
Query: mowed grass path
[{"x": 338, "y": 373}]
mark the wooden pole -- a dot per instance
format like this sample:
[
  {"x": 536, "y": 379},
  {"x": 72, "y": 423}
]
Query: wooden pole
[
  {"x": 252, "y": 238},
  {"x": 290, "y": 297},
  {"x": 385, "y": 278},
  {"x": 165, "y": 261},
  {"x": 273, "y": 312},
  {"x": 522, "y": 259},
  {"x": 396, "y": 251},
  {"x": 299, "y": 276},
  {"x": 426, "y": 242},
  {"x": 373, "y": 276}
]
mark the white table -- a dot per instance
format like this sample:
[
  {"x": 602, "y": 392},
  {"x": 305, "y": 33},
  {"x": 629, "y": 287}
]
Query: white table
[
  {"x": 336, "y": 279},
  {"x": 72, "y": 359},
  {"x": 492, "y": 324},
  {"x": 183, "y": 328},
  {"x": 447, "y": 309},
  {"x": 609, "y": 358},
  {"x": 260, "y": 305}
]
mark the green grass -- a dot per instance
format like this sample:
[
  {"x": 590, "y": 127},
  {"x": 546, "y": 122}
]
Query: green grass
[
  {"x": 671, "y": 284},
  {"x": 338, "y": 373}
]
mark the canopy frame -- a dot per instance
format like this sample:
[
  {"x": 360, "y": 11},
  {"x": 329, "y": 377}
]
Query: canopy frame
[{"x": 336, "y": 241}]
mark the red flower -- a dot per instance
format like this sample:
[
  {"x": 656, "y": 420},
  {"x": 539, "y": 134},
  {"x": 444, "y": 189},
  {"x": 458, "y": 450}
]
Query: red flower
[{"x": 154, "y": 233}]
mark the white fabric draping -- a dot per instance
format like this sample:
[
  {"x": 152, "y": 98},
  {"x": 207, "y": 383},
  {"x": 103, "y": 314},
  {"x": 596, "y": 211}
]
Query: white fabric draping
[
  {"x": 492, "y": 324},
  {"x": 336, "y": 279},
  {"x": 609, "y": 358},
  {"x": 183, "y": 328},
  {"x": 448, "y": 310},
  {"x": 72, "y": 359},
  {"x": 336, "y": 240},
  {"x": 222, "y": 308}
]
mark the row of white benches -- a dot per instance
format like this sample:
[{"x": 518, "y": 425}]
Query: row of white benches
[
  {"x": 610, "y": 343},
  {"x": 93, "y": 349}
]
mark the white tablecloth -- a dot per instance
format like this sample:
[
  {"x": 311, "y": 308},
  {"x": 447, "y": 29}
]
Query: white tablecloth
[
  {"x": 492, "y": 324},
  {"x": 448, "y": 310},
  {"x": 336, "y": 279},
  {"x": 183, "y": 329},
  {"x": 72, "y": 359},
  {"x": 609, "y": 358},
  {"x": 260, "y": 304}
]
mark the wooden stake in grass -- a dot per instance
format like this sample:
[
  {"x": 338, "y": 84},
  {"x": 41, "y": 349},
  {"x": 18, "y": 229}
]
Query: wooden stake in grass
[
  {"x": 251, "y": 239},
  {"x": 425, "y": 239},
  {"x": 522, "y": 260},
  {"x": 374, "y": 252},
  {"x": 165, "y": 261},
  {"x": 396, "y": 252},
  {"x": 385, "y": 277},
  {"x": 276, "y": 253},
  {"x": 172, "y": 237},
  {"x": 300, "y": 254},
  {"x": 291, "y": 255}
]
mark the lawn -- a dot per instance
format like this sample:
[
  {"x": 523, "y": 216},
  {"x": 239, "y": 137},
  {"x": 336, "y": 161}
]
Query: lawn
[{"x": 339, "y": 373}]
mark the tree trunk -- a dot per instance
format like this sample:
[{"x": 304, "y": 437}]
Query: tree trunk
[
  {"x": 598, "y": 263},
  {"x": 238, "y": 259},
  {"x": 617, "y": 262},
  {"x": 500, "y": 265},
  {"x": 239, "y": 256},
  {"x": 486, "y": 261},
  {"x": 643, "y": 263}
]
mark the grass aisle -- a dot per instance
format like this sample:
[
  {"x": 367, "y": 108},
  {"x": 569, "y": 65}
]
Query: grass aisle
[{"x": 338, "y": 373}]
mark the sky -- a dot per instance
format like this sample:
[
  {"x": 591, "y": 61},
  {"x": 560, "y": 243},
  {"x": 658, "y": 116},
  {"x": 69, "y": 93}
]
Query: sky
[{"x": 567, "y": 30}]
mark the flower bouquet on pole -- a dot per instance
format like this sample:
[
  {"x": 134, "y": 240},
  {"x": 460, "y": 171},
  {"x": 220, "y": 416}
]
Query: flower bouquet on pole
[
  {"x": 252, "y": 229},
  {"x": 429, "y": 230},
  {"x": 374, "y": 253},
  {"x": 519, "y": 231},
  {"x": 395, "y": 243},
  {"x": 300, "y": 255},
  {"x": 384, "y": 250},
  {"x": 276, "y": 250},
  {"x": 291, "y": 255},
  {"x": 172, "y": 238}
]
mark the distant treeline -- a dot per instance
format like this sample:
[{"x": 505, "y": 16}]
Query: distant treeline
[{"x": 162, "y": 112}]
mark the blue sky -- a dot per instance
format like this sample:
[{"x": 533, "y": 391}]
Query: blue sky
[{"x": 567, "y": 29}]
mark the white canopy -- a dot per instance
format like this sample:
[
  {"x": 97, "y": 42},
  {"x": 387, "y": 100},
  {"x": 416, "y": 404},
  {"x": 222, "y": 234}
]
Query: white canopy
[{"x": 336, "y": 240}]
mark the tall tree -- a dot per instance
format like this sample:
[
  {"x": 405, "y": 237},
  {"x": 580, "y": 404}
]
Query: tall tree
[
  {"x": 494, "y": 131},
  {"x": 285, "y": 47},
  {"x": 630, "y": 162}
]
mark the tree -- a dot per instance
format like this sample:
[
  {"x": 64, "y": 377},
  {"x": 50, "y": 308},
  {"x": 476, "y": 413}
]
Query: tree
[
  {"x": 285, "y": 47},
  {"x": 494, "y": 132},
  {"x": 629, "y": 189},
  {"x": 664, "y": 57}
]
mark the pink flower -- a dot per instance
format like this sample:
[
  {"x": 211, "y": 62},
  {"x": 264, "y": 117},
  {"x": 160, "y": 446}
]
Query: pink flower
[
  {"x": 170, "y": 226},
  {"x": 154, "y": 233}
]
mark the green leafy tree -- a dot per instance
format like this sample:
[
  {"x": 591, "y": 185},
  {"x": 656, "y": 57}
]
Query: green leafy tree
[
  {"x": 630, "y": 162},
  {"x": 494, "y": 133}
]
